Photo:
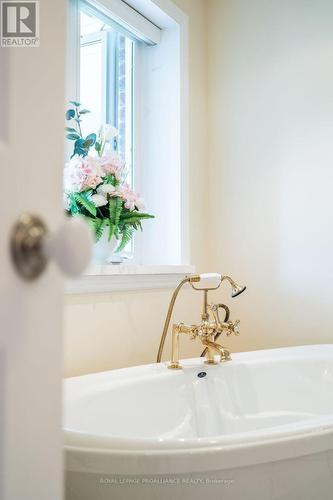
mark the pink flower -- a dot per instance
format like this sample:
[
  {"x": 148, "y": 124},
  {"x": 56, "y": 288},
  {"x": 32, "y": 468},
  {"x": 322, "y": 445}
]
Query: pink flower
[
  {"x": 131, "y": 198},
  {"x": 82, "y": 173},
  {"x": 92, "y": 181},
  {"x": 92, "y": 166},
  {"x": 113, "y": 164},
  {"x": 89, "y": 172}
]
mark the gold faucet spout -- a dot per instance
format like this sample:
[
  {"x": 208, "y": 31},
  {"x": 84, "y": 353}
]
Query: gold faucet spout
[{"x": 217, "y": 348}]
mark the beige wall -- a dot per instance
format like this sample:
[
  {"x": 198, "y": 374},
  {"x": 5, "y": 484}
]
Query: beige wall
[
  {"x": 271, "y": 158},
  {"x": 264, "y": 156},
  {"x": 105, "y": 331}
]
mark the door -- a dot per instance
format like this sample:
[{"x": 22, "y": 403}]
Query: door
[{"x": 31, "y": 159}]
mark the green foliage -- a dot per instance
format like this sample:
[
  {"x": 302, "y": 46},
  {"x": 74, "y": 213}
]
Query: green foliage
[
  {"x": 115, "y": 208},
  {"x": 70, "y": 113},
  {"x": 89, "y": 141},
  {"x": 134, "y": 217},
  {"x": 110, "y": 179},
  {"x": 83, "y": 200},
  {"x": 74, "y": 209},
  {"x": 125, "y": 239},
  {"x": 81, "y": 144},
  {"x": 117, "y": 220},
  {"x": 97, "y": 225},
  {"x": 71, "y": 129},
  {"x": 114, "y": 216},
  {"x": 72, "y": 137}
]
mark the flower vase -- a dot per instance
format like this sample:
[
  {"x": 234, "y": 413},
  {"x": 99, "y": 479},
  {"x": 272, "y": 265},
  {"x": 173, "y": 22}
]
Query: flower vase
[{"x": 104, "y": 251}]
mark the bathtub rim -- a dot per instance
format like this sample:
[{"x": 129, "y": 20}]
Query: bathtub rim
[
  {"x": 183, "y": 461},
  {"x": 87, "y": 453}
]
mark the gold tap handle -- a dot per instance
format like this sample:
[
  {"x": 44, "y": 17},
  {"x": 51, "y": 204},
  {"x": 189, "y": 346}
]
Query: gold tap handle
[
  {"x": 215, "y": 310},
  {"x": 218, "y": 321},
  {"x": 235, "y": 328}
]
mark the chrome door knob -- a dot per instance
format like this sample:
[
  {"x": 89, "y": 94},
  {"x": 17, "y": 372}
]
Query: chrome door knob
[{"x": 32, "y": 246}]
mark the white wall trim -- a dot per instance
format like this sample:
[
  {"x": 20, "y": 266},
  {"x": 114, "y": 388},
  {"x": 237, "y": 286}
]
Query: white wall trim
[
  {"x": 159, "y": 12},
  {"x": 129, "y": 19},
  {"x": 184, "y": 133},
  {"x": 73, "y": 51},
  {"x": 101, "y": 279}
]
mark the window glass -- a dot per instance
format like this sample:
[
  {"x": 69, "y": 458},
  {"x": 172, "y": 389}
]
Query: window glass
[
  {"x": 91, "y": 84},
  {"x": 106, "y": 85},
  {"x": 106, "y": 81}
]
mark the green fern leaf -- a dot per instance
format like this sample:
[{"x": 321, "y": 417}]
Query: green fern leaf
[
  {"x": 126, "y": 238},
  {"x": 133, "y": 220},
  {"x": 128, "y": 216},
  {"x": 112, "y": 228},
  {"x": 85, "y": 202},
  {"x": 115, "y": 209},
  {"x": 73, "y": 207},
  {"x": 97, "y": 226}
]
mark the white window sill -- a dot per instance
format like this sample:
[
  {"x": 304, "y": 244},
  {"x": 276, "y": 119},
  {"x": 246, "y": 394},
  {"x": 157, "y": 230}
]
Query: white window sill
[{"x": 125, "y": 277}]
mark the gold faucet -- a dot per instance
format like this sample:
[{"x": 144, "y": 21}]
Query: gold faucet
[{"x": 210, "y": 327}]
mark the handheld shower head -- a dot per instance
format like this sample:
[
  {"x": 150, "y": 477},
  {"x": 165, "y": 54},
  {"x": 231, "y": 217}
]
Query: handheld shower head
[{"x": 236, "y": 288}]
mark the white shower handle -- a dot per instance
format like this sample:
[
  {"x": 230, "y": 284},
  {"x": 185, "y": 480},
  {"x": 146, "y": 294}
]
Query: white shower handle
[{"x": 208, "y": 281}]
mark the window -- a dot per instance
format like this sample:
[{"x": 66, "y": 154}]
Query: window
[
  {"x": 133, "y": 74},
  {"x": 106, "y": 80},
  {"x": 106, "y": 84}
]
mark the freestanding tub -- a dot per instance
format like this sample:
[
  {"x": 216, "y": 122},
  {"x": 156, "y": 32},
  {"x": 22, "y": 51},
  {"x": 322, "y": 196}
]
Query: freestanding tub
[{"x": 257, "y": 428}]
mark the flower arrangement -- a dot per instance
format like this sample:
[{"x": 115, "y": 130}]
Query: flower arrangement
[{"x": 95, "y": 184}]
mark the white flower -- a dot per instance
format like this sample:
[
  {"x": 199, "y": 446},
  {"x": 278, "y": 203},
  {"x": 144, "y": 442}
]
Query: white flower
[
  {"x": 74, "y": 175},
  {"x": 130, "y": 205},
  {"x": 99, "y": 200},
  {"x": 66, "y": 201},
  {"x": 108, "y": 132},
  {"x": 105, "y": 189},
  {"x": 141, "y": 205},
  {"x": 92, "y": 165}
]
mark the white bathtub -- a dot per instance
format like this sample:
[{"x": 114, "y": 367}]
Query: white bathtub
[{"x": 259, "y": 427}]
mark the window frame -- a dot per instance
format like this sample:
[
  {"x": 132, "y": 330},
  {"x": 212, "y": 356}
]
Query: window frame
[{"x": 110, "y": 46}]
